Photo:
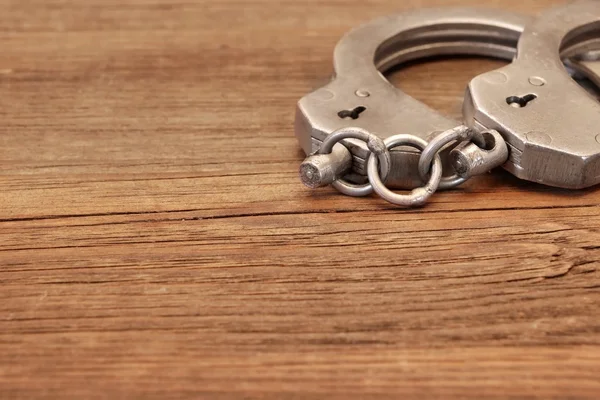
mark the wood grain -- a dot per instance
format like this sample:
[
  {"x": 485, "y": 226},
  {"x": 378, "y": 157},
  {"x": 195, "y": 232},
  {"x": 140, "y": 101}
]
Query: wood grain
[{"x": 155, "y": 241}]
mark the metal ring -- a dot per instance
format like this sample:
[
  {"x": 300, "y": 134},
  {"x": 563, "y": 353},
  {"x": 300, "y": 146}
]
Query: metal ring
[
  {"x": 375, "y": 145},
  {"x": 460, "y": 134},
  {"x": 418, "y": 196}
]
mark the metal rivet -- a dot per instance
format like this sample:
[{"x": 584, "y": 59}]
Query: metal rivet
[
  {"x": 537, "y": 81},
  {"x": 539, "y": 138}
]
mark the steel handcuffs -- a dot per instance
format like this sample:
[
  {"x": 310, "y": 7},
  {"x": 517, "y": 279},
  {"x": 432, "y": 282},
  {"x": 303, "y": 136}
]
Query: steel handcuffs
[
  {"x": 364, "y": 54},
  {"x": 360, "y": 97}
]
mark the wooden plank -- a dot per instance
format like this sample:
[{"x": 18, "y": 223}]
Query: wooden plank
[{"x": 155, "y": 240}]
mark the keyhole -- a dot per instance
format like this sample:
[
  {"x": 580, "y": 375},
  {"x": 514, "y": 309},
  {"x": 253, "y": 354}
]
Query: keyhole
[
  {"x": 520, "y": 102},
  {"x": 354, "y": 114}
]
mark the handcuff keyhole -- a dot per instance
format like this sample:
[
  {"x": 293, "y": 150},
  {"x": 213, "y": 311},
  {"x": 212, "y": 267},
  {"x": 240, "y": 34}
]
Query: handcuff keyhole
[
  {"x": 520, "y": 102},
  {"x": 354, "y": 114}
]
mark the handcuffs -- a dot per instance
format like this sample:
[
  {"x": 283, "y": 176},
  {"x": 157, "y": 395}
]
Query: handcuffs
[{"x": 363, "y": 135}]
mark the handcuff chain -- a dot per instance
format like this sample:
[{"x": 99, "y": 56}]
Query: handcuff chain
[
  {"x": 471, "y": 151},
  {"x": 430, "y": 165},
  {"x": 418, "y": 196}
]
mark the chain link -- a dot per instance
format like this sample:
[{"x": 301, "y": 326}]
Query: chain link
[
  {"x": 430, "y": 164},
  {"x": 418, "y": 196},
  {"x": 375, "y": 145},
  {"x": 459, "y": 134}
]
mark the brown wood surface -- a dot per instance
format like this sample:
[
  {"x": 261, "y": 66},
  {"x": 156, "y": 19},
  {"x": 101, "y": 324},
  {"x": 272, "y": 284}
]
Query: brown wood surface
[{"x": 155, "y": 240}]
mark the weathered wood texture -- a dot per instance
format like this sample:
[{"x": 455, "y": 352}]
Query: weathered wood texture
[{"x": 155, "y": 240}]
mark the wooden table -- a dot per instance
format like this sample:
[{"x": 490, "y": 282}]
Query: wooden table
[{"x": 155, "y": 240}]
